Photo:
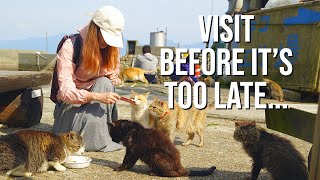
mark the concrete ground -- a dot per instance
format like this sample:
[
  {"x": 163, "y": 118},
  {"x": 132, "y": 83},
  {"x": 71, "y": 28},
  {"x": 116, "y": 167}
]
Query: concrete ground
[{"x": 220, "y": 149}]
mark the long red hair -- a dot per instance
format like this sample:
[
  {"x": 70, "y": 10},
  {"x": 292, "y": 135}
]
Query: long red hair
[{"x": 91, "y": 53}]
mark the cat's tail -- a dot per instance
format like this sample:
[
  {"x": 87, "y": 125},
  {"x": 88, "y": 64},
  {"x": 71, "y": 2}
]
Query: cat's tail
[{"x": 205, "y": 172}]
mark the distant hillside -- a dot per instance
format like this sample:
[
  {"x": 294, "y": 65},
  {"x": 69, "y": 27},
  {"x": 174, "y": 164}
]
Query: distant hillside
[
  {"x": 33, "y": 43},
  {"x": 39, "y": 43}
]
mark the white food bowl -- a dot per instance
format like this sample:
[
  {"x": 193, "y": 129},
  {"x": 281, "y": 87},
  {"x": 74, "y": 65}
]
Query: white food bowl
[{"x": 77, "y": 162}]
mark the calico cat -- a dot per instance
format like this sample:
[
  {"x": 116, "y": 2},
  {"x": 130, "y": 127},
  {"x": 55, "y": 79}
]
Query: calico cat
[
  {"x": 170, "y": 120},
  {"x": 139, "y": 110},
  {"x": 26, "y": 152},
  {"x": 274, "y": 89},
  {"x": 152, "y": 147},
  {"x": 133, "y": 74},
  {"x": 270, "y": 151}
]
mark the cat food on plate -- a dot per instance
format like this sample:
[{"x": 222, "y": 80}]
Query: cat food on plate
[{"x": 76, "y": 162}]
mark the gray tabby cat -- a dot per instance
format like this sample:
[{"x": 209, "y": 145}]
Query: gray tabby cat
[{"x": 270, "y": 151}]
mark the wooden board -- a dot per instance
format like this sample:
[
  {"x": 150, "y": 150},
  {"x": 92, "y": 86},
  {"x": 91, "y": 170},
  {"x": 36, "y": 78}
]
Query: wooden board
[
  {"x": 315, "y": 159},
  {"x": 297, "y": 121},
  {"x": 14, "y": 80}
]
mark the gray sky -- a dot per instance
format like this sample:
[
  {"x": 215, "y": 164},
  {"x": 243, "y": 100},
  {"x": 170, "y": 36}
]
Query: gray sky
[{"x": 23, "y": 19}]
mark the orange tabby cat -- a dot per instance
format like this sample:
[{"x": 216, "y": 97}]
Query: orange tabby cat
[
  {"x": 275, "y": 89},
  {"x": 170, "y": 120},
  {"x": 133, "y": 74}
]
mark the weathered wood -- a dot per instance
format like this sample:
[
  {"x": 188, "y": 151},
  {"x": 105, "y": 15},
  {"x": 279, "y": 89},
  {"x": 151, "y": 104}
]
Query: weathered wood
[
  {"x": 315, "y": 159},
  {"x": 13, "y": 80},
  {"x": 8, "y": 111},
  {"x": 292, "y": 121}
]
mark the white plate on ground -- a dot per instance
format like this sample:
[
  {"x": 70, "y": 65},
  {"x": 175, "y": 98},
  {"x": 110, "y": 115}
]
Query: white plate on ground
[{"x": 77, "y": 162}]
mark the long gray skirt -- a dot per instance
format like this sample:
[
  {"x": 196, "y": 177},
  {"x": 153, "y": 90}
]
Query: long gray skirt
[{"x": 91, "y": 119}]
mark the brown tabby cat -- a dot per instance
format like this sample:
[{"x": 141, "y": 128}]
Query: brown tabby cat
[
  {"x": 270, "y": 151},
  {"x": 274, "y": 89},
  {"x": 133, "y": 74},
  {"x": 27, "y": 151},
  {"x": 152, "y": 147},
  {"x": 170, "y": 120}
]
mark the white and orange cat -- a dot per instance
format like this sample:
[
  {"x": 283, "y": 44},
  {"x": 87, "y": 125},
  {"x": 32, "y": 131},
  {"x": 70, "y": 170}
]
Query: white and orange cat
[
  {"x": 139, "y": 110},
  {"x": 133, "y": 74}
]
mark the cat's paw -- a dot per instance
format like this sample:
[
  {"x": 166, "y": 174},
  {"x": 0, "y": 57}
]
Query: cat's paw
[
  {"x": 27, "y": 174},
  {"x": 152, "y": 174},
  {"x": 185, "y": 144},
  {"x": 200, "y": 145},
  {"x": 60, "y": 168},
  {"x": 118, "y": 168}
]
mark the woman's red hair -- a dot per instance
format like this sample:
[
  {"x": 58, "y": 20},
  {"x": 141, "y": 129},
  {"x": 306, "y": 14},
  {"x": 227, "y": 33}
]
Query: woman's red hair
[{"x": 91, "y": 53}]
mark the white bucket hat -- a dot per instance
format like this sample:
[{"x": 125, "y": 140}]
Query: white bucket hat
[{"x": 111, "y": 23}]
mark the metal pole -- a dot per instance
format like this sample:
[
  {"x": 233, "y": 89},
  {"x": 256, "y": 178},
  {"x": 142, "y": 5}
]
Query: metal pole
[
  {"x": 47, "y": 42},
  {"x": 38, "y": 62}
]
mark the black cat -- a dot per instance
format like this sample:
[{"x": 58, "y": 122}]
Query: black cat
[{"x": 151, "y": 146}]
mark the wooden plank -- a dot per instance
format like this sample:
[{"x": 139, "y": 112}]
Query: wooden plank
[
  {"x": 294, "y": 122},
  {"x": 10, "y": 109},
  {"x": 315, "y": 159},
  {"x": 14, "y": 80}
]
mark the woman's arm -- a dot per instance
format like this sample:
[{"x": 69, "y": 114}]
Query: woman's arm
[{"x": 65, "y": 69}]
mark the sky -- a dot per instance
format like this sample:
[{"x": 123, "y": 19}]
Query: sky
[{"x": 35, "y": 18}]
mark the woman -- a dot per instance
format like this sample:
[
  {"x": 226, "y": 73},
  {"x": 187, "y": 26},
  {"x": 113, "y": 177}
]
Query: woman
[{"x": 86, "y": 93}]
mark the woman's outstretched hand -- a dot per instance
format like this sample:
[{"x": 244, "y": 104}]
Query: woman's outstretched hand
[
  {"x": 109, "y": 97},
  {"x": 106, "y": 98}
]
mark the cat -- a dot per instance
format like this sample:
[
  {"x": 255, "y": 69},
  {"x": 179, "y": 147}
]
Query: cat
[
  {"x": 25, "y": 152},
  {"x": 274, "y": 89},
  {"x": 270, "y": 151},
  {"x": 209, "y": 81},
  {"x": 170, "y": 120},
  {"x": 139, "y": 110},
  {"x": 152, "y": 147},
  {"x": 133, "y": 74}
]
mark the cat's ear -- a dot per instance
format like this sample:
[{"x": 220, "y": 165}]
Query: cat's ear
[
  {"x": 132, "y": 92},
  {"x": 82, "y": 133},
  {"x": 111, "y": 124},
  {"x": 237, "y": 124},
  {"x": 72, "y": 135},
  {"x": 252, "y": 123},
  {"x": 146, "y": 94}
]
